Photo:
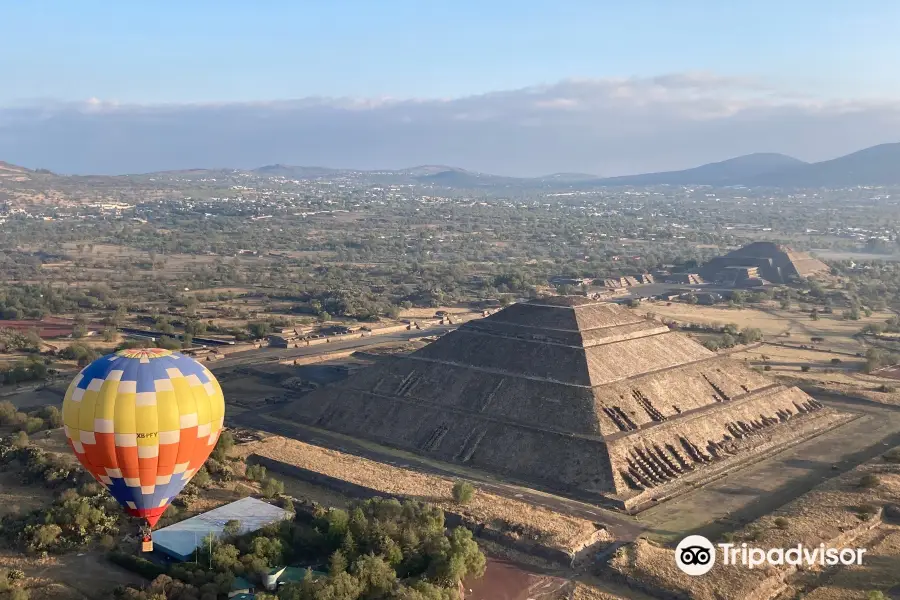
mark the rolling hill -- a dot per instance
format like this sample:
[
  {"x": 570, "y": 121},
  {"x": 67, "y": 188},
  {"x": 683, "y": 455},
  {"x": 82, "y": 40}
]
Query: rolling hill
[
  {"x": 878, "y": 165},
  {"x": 727, "y": 172}
]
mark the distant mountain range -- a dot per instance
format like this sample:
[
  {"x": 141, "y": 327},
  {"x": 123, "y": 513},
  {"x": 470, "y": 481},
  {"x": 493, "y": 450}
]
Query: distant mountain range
[
  {"x": 878, "y": 165},
  {"x": 740, "y": 170}
]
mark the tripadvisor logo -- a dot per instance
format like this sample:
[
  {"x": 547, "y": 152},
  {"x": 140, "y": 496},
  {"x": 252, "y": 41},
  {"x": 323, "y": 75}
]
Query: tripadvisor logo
[{"x": 696, "y": 555}]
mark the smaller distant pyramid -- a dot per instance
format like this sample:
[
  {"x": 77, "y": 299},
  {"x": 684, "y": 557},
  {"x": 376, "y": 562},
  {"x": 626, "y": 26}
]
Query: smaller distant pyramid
[
  {"x": 567, "y": 392},
  {"x": 776, "y": 263}
]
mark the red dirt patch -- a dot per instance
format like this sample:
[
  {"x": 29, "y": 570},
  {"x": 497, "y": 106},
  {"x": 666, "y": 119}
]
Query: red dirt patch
[{"x": 505, "y": 581}]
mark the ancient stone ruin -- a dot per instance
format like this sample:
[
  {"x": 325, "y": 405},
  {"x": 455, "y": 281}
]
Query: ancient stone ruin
[
  {"x": 775, "y": 263},
  {"x": 567, "y": 393}
]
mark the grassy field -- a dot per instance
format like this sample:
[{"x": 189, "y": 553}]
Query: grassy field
[
  {"x": 770, "y": 324},
  {"x": 836, "y": 356}
]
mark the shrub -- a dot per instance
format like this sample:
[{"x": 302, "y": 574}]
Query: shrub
[
  {"x": 223, "y": 446},
  {"x": 136, "y": 564},
  {"x": 271, "y": 487},
  {"x": 866, "y": 511},
  {"x": 750, "y": 335},
  {"x": 7, "y": 412},
  {"x": 256, "y": 472},
  {"x": 805, "y": 368},
  {"x": 232, "y": 528},
  {"x": 767, "y": 368},
  {"x": 20, "y": 440},
  {"x": 869, "y": 480},
  {"x": 108, "y": 542},
  {"x": 835, "y": 361},
  {"x": 463, "y": 492},
  {"x": 781, "y": 523},
  {"x": 34, "y": 424},
  {"x": 201, "y": 478},
  {"x": 876, "y": 595},
  {"x": 892, "y": 456},
  {"x": 19, "y": 594}
]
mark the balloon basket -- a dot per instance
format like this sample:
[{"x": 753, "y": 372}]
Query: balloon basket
[{"x": 146, "y": 542}]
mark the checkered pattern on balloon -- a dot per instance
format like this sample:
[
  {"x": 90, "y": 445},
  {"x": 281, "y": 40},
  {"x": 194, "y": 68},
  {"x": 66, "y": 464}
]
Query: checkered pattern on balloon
[{"x": 142, "y": 422}]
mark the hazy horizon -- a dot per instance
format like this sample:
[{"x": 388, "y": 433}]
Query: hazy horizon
[{"x": 517, "y": 89}]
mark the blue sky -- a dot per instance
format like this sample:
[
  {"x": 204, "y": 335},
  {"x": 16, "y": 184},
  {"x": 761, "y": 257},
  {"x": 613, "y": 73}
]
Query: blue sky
[
  {"x": 513, "y": 88},
  {"x": 138, "y": 51}
]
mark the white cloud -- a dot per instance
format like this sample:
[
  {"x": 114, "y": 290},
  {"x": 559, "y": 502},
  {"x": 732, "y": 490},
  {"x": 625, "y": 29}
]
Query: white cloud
[{"x": 605, "y": 126}]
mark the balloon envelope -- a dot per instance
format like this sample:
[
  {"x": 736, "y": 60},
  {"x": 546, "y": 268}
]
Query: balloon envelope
[{"x": 142, "y": 422}]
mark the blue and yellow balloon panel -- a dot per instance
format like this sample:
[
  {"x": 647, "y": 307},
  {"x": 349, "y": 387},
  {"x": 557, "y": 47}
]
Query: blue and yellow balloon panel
[{"x": 142, "y": 422}]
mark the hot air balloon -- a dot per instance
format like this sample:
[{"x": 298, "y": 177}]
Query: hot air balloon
[{"x": 142, "y": 422}]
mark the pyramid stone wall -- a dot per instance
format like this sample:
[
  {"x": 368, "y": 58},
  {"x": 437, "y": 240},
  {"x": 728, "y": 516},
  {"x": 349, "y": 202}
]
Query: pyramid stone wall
[
  {"x": 776, "y": 263},
  {"x": 569, "y": 393}
]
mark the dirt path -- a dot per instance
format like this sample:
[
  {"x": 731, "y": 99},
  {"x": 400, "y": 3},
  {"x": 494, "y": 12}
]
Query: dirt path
[{"x": 88, "y": 573}]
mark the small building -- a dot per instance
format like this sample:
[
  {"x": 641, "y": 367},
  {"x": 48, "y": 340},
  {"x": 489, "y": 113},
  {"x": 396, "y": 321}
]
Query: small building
[
  {"x": 179, "y": 541},
  {"x": 282, "y": 341},
  {"x": 575, "y": 281},
  {"x": 709, "y": 298},
  {"x": 241, "y": 588},
  {"x": 280, "y": 576}
]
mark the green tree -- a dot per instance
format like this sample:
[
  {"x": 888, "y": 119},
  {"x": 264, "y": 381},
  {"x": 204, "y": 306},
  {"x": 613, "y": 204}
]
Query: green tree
[
  {"x": 256, "y": 472},
  {"x": 376, "y": 577},
  {"x": 20, "y": 440},
  {"x": 271, "y": 487},
  {"x": 201, "y": 478},
  {"x": 455, "y": 558},
  {"x": 232, "y": 528},
  {"x": 223, "y": 446},
  {"x": 337, "y": 563},
  {"x": 749, "y": 335},
  {"x": 463, "y": 492},
  {"x": 259, "y": 329}
]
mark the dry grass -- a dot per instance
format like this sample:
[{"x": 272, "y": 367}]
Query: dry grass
[
  {"x": 655, "y": 565},
  {"x": 879, "y": 571},
  {"x": 773, "y": 322},
  {"x": 742, "y": 317},
  {"x": 782, "y": 358},
  {"x": 819, "y": 516},
  {"x": 556, "y": 530},
  {"x": 581, "y": 591},
  {"x": 18, "y": 499}
]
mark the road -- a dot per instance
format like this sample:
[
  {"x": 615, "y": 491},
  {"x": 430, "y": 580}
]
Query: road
[
  {"x": 266, "y": 355},
  {"x": 622, "y": 527}
]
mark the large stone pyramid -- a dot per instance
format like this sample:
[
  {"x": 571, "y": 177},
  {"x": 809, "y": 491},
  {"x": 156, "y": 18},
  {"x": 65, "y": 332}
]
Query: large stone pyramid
[
  {"x": 776, "y": 263},
  {"x": 565, "y": 392}
]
